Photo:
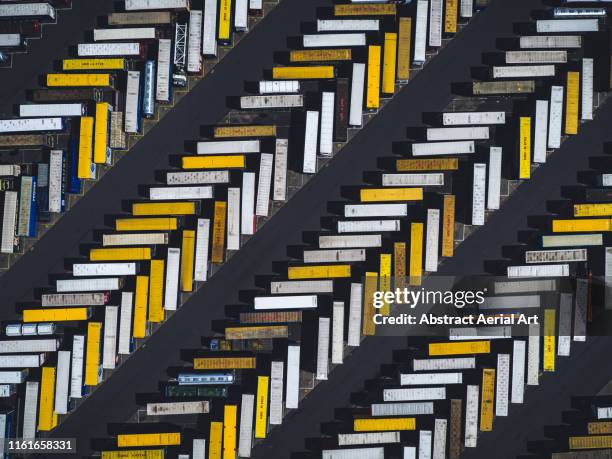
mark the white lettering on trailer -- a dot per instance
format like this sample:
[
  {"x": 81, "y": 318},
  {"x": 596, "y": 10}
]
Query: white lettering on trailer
[
  {"x": 538, "y": 271},
  {"x": 541, "y": 131},
  {"x": 337, "y": 351},
  {"x": 357, "y": 88},
  {"x": 473, "y": 118},
  {"x": 432, "y": 240},
  {"x": 555, "y": 117},
  {"x": 302, "y": 286},
  {"x": 566, "y": 25},
  {"x": 108, "y": 49},
  {"x": 518, "y": 372},
  {"x": 551, "y": 41},
  {"x": 435, "y": 23},
  {"x": 285, "y": 302},
  {"x": 580, "y": 309},
  {"x": 443, "y": 148},
  {"x": 194, "y": 57},
  {"x": 424, "y": 444},
  {"x": 241, "y": 15},
  {"x": 9, "y": 221},
  {"x": 245, "y": 439},
  {"x": 247, "y": 222},
  {"x": 323, "y": 349},
  {"x": 354, "y": 319},
  {"x": 310, "y": 142},
  {"x": 587, "y": 89},
  {"x": 334, "y": 40},
  {"x": 402, "y": 409},
  {"x": 533, "y": 355},
  {"x": 28, "y": 430},
  {"x": 420, "y": 34},
  {"x": 347, "y": 25},
  {"x": 132, "y": 93},
  {"x": 276, "y": 393},
  {"x": 471, "y": 416},
  {"x": 439, "y": 447},
  {"x": 162, "y": 88},
  {"x": 430, "y": 179},
  {"x": 109, "y": 355},
  {"x": 350, "y": 241},
  {"x": 263, "y": 186},
  {"x": 173, "y": 261},
  {"x": 279, "y": 192},
  {"x": 502, "y": 383},
  {"x": 327, "y": 123},
  {"x": 62, "y": 382},
  {"x": 457, "y": 363},
  {"x": 125, "y": 323},
  {"x": 76, "y": 371},
  {"x": 495, "y": 166},
  {"x": 478, "y": 195},
  {"x": 233, "y": 218},
  {"x": 293, "y": 377}
]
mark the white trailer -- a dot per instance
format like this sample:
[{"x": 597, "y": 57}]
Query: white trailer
[
  {"x": 550, "y": 41},
  {"x": 432, "y": 240},
  {"x": 276, "y": 393},
  {"x": 567, "y": 25},
  {"x": 466, "y": 8},
  {"x": 62, "y": 382},
  {"x": 502, "y": 384},
  {"x": 579, "y": 12},
  {"x": 209, "y": 38},
  {"x": 510, "y": 302},
  {"x": 76, "y": 366},
  {"x": 428, "y": 179},
  {"x": 173, "y": 263},
  {"x": 580, "y": 309},
  {"x": 311, "y": 132},
  {"x": 565, "y": 324},
  {"x": 132, "y": 99},
  {"x": 572, "y": 240},
  {"x": 89, "y": 285},
  {"x": 439, "y": 442},
  {"x": 354, "y": 318},
  {"x": 494, "y": 188},
  {"x": 241, "y": 16},
  {"x": 200, "y": 272},
  {"x": 348, "y": 25},
  {"x": 22, "y": 360},
  {"x": 587, "y": 89},
  {"x": 271, "y": 101},
  {"x": 536, "y": 57},
  {"x": 292, "y": 393},
  {"x": 262, "y": 204},
  {"x": 139, "y": 5},
  {"x": 125, "y": 323},
  {"x": 113, "y": 240},
  {"x": 608, "y": 278},
  {"x": 420, "y": 32},
  {"x": 329, "y": 40},
  {"x": 368, "y": 438},
  {"x": 334, "y": 256},
  {"x": 104, "y": 269},
  {"x": 145, "y": 18},
  {"x": 266, "y": 303},
  {"x": 375, "y": 210},
  {"x": 426, "y": 379},
  {"x": 164, "y": 193},
  {"x": 30, "y": 407},
  {"x": 357, "y": 88},
  {"x": 424, "y": 444},
  {"x": 522, "y": 71},
  {"x": 194, "y": 57},
  {"x": 471, "y": 416},
  {"x": 421, "y": 393},
  {"x": 245, "y": 434},
  {"x": 29, "y": 345},
  {"x": 195, "y": 177},
  {"x": 518, "y": 372},
  {"x": 323, "y": 349},
  {"x": 443, "y": 148},
  {"x": 435, "y": 23},
  {"x": 527, "y": 286},
  {"x": 74, "y": 299},
  {"x": 13, "y": 376},
  {"x": 445, "y": 364},
  {"x": 233, "y": 218},
  {"x": 124, "y": 33},
  {"x": 555, "y": 256},
  {"x": 354, "y": 453},
  {"x": 27, "y": 10},
  {"x": 10, "y": 170},
  {"x": 31, "y": 125},
  {"x": 561, "y": 270},
  {"x": 108, "y": 49},
  {"x": 473, "y": 118},
  {"x": 603, "y": 412},
  {"x": 279, "y": 192},
  {"x": 350, "y": 241},
  {"x": 402, "y": 409},
  {"x": 109, "y": 349},
  {"x": 9, "y": 222},
  {"x": 326, "y": 144},
  {"x": 163, "y": 80},
  {"x": 555, "y": 117},
  {"x": 368, "y": 226},
  {"x": 337, "y": 350},
  {"x": 478, "y": 194},
  {"x": 177, "y": 408},
  {"x": 224, "y": 147},
  {"x": 247, "y": 215},
  {"x": 541, "y": 125},
  {"x": 301, "y": 287},
  {"x": 458, "y": 133},
  {"x": 11, "y": 40},
  {"x": 56, "y": 182},
  {"x": 43, "y": 110},
  {"x": 279, "y": 86}
]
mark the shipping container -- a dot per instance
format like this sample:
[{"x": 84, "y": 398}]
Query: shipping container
[
  {"x": 471, "y": 416},
  {"x": 572, "y": 240},
  {"x": 354, "y": 439},
  {"x": 27, "y": 10},
  {"x": 402, "y": 409},
  {"x": 144, "y": 224},
  {"x": 373, "y": 80},
  {"x": 414, "y": 394},
  {"x": 301, "y": 287},
  {"x": 148, "y": 439},
  {"x": 47, "y": 417},
  {"x": 354, "y": 453}
]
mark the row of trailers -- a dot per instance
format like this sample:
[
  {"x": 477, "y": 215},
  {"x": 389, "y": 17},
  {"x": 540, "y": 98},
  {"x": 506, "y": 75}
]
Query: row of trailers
[{"x": 142, "y": 302}]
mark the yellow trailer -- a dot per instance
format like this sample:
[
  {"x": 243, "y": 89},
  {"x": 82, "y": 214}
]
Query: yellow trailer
[
  {"x": 390, "y": 194},
  {"x": 586, "y": 225},
  {"x": 383, "y": 424},
  {"x": 308, "y": 72},
  {"x": 146, "y": 224},
  {"x": 368, "y": 327},
  {"x": 92, "y": 354},
  {"x": 590, "y": 442},
  {"x": 487, "y": 399},
  {"x": 399, "y": 265},
  {"x": 403, "y": 48},
  {"x": 525, "y": 148},
  {"x": 224, "y": 363},
  {"x": 389, "y": 63},
  {"x": 230, "y": 415},
  {"x": 221, "y": 132},
  {"x": 460, "y": 347},
  {"x": 187, "y": 260},
  {"x": 549, "y": 339},
  {"x": 373, "y": 81},
  {"x": 318, "y": 271},
  {"x": 79, "y": 79},
  {"x": 257, "y": 332},
  {"x": 213, "y": 162},
  {"x": 261, "y": 412},
  {"x": 599, "y": 427},
  {"x": 120, "y": 254},
  {"x": 47, "y": 417},
  {"x": 215, "y": 440},
  {"x": 450, "y": 17},
  {"x": 225, "y": 18},
  {"x": 85, "y": 169},
  {"x": 140, "y": 209},
  {"x": 385, "y": 279},
  {"x": 416, "y": 253},
  {"x": 149, "y": 439},
  {"x": 430, "y": 164},
  {"x": 364, "y": 9},
  {"x": 101, "y": 151},
  {"x": 218, "y": 236},
  {"x": 571, "y": 102},
  {"x": 139, "y": 328},
  {"x": 94, "y": 64},
  {"x": 320, "y": 55},
  {"x": 134, "y": 454},
  {"x": 448, "y": 225},
  {"x": 592, "y": 210},
  {"x": 156, "y": 291},
  {"x": 56, "y": 314}
]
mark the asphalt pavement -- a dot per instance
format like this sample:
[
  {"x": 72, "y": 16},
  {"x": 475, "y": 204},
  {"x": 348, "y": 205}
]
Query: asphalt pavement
[{"x": 114, "y": 401}]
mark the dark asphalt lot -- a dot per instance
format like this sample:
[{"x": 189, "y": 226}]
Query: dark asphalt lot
[{"x": 429, "y": 92}]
